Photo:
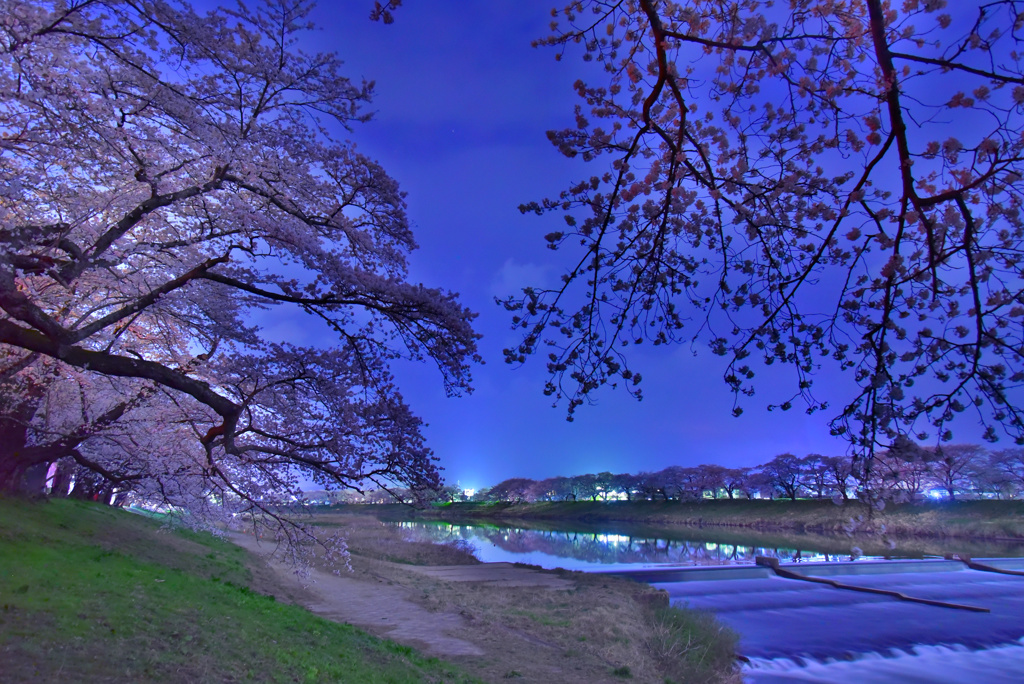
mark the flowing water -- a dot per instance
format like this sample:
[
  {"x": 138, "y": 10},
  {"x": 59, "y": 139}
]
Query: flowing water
[{"x": 797, "y": 631}]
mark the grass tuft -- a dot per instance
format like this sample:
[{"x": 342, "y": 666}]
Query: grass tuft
[{"x": 691, "y": 645}]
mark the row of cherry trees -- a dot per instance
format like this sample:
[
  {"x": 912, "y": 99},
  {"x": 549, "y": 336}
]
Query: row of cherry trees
[{"x": 906, "y": 472}]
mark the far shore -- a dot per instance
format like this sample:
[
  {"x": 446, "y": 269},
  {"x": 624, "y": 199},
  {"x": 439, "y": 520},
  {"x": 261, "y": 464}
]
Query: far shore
[{"x": 975, "y": 520}]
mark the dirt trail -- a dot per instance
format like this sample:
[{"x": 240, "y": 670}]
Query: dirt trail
[
  {"x": 385, "y": 609},
  {"x": 504, "y": 574}
]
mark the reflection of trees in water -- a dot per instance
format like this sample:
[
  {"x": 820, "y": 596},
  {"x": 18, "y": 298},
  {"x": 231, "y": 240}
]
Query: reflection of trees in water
[{"x": 597, "y": 547}]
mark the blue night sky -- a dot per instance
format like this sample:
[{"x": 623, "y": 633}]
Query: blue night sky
[{"x": 463, "y": 103}]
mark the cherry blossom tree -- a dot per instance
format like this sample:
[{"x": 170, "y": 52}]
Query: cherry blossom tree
[
  {"x": 816, "y": 475},
  {"x": 584, "y": 486},
  {"x": 650, "y": 486},
  {"x": 554, "y": 489},
  {"x": 735, "y": 480},
  {"x": 841, "y": 473},
  {"x": 514, "y": 489},
  {"x": 900, "y": 473},
  {"x": 1009, "y": 466},
  {"x": 626, "y": 484},
  {"x": 605, "y": 484},
  {"x": 785, "y": 474},
  {"x": 682, "y": 483},
  {"x": 54, "y": 415},
  {"x": 818, "y": 183},
  {"x": 953, "y": 467},
  {"x": 167, "y": 177},
  {"x": 709, "y": 478}
]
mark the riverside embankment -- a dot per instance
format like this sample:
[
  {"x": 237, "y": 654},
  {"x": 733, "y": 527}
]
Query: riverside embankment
[{"x": 95, "y": 593}]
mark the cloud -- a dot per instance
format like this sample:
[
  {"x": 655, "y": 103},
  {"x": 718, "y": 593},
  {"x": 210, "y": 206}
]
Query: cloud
[{"x": 513, "y": 276}]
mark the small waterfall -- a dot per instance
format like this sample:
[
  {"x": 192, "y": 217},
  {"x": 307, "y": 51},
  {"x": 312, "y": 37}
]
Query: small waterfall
[{"x": 932, "y": 664}]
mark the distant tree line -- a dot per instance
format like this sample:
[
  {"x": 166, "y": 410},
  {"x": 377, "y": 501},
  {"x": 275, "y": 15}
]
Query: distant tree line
[{"x": 905, "y": 472}]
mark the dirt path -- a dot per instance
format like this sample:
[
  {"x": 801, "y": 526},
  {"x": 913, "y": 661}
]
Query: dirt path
[
  {"x": 385, "y": 609},
  {"x": 503, "y": 574}
]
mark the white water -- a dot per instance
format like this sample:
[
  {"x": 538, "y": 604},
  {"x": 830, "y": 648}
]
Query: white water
[
  {"x": 933, "y": 664},
  {"x": 796, "y": 631}
]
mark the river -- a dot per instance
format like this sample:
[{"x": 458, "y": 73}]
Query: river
[
  {"x": 798, "y": 631},
  {"x": 606, "y": 547}
]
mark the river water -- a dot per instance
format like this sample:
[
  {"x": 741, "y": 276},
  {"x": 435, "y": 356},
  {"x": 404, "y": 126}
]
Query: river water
[
  {"x": 798, "y": 631},
  {"x": 603, "y": 548}
]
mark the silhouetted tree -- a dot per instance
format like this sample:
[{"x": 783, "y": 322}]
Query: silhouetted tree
[
  {"x": 1009, "y": 463},
  {"x": 816, "y": 475},
  {"x": 841, "y": 475},
  {"x": 627, "y": 484},
  {"x": 709, "y": 478},
  {"x": 953, "y": 466},
  {"x": 785, "y": 474},
  {"x": 736, "y": 480},
  {"x": 514, "y": 489}
]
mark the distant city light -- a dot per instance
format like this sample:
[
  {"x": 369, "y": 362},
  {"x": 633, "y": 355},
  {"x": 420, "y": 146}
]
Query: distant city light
[{"x": 615, "y": 539}]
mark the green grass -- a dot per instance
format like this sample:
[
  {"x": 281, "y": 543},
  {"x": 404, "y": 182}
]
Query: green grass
[{"x": 89, "y": 593}]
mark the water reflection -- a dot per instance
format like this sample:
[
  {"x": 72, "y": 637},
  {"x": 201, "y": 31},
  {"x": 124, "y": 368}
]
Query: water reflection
[{"x": 584, "y": 550}]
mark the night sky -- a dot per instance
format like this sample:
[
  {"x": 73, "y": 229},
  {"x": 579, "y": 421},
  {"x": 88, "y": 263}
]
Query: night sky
[{"x": 463, "y": 103}]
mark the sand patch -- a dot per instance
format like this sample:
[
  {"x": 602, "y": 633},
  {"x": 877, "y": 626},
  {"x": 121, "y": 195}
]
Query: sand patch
[{"x": 377, "y": 606}]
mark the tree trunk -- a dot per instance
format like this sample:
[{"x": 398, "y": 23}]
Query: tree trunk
[
  {"x": 16, "y": 412},
  {"x": 13, "y": 439},
  {"x": 34, "y": 479},
  {"x": 62, "y": 478},
  {"x": 21, "y": 472}
]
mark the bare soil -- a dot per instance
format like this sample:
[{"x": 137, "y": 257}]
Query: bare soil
[{"x": 378, "y": 606}]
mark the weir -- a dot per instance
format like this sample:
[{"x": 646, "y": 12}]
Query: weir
[
  {"x": 927, "y": 620},
  {"x": 876, "y": 619}
]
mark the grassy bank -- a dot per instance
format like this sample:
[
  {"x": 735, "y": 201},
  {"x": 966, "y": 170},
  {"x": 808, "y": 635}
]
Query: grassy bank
[
  {"x": 997, "y": 520},
  {"x": 89, "y": 593}
]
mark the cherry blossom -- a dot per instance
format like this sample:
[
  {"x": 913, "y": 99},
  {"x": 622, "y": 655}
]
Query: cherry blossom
[
  {"x": 166, "y": 178},
  {"x": 827, "y": 185}
]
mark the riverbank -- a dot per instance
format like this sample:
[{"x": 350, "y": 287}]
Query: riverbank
[
  {"x": 92, "y": 593},
  {"x": 574, "y": 626},
  {"x": 111, "y": 596},
  {"x": 990, "y": 520}
]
